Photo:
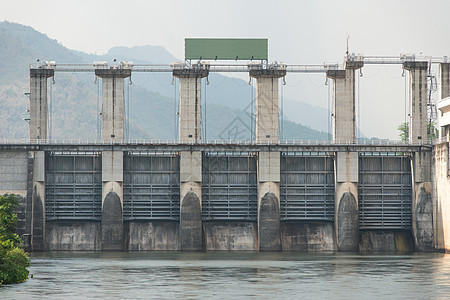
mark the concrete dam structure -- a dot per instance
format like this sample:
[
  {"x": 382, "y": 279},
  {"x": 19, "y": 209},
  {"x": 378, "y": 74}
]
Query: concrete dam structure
[{"x": 261, "y": 195}]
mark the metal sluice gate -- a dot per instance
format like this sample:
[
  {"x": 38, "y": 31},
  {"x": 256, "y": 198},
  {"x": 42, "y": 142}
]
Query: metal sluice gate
[
  {"x": 151, "y": 187},
  {"x": 307, "y": 187},
  {"x": 384, "y": 192},
  {"x": 229, "y": 186},
  {"x": 73, "y": 186}
]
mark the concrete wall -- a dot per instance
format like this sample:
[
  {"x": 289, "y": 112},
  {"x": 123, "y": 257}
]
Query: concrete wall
[
  {"x": 230, "y": 236},
  {"x": 16, "y": 178},
  {"x": 73, "y": 236},
  {"x": 386, "y": 241},
  {"x": 14, "y": 172},
  {"x": 307, "y": 236},
  {"x": 441, "y": 204},
  {"x": 152, "y": 236}
]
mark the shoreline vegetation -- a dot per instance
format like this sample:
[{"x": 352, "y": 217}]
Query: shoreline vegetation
[{"x": 13, "y": 259}]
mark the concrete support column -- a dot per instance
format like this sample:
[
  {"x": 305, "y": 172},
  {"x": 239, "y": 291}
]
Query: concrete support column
[
  {"x": 113, "y": 105},
  {"x": 418, "y": 100},
  {"x": 422, "y": 205},
  {"x": 346, "y": 217},
  {"x": 441, "y": 215},
  {"x": 344, "y": 112},
  {"x": 38, "y": 102},
  {"x": 444, "y": 121},
  {"x": 267, "y": 102},
  {"x": 190, "y": 102},
  {"x": 191, "y": 200},
  {"x": 269, "y": 201},
  {"x": 38, "y": 201},
  {"x": 445, "y": 80},
  {"x": 112, "y": 200}
]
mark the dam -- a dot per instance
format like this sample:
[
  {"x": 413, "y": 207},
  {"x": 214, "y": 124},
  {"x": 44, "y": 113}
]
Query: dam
[{"x": 259, "y": 195}]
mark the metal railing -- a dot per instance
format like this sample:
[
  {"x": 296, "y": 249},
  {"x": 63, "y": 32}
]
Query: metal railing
[{"x": 213, "y": 142}]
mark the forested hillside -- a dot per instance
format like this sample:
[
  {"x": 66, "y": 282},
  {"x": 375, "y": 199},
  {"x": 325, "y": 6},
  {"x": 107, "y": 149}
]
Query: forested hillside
[{"x": 151, "y": 99}]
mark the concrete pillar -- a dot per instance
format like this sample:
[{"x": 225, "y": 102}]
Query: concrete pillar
[
  {"x": 38, "y": 201},
  {"x": 112, "y": 200},
  {"x": 113, "y": 105},
  {"x": 445, "y": 80},
  {"x": 38, "y": 102},
  {"x": 267, "y": 102},
  {"x": 422, "y": 205},
  {"x": 346, "y": 217},
  {"x": 344, "y": 112},
  {"x": 269, "y": 201},
  {"x": 441, "y": 207},
  {"x": 418, "y": 100},
  {"x": 191, "y": 200},
  {"x": 190, "y": 102}
]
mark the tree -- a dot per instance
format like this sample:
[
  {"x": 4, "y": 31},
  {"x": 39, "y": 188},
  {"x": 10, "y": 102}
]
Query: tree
[
  {"x": 404, "y": 131},
  {"x": 13, "y": 259}
]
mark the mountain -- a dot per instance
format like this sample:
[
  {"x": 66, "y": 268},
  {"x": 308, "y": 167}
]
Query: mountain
[{"x": 151, "y": 100}]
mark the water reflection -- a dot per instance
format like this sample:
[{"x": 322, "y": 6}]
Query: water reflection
[{"x": 176, "y": 275}]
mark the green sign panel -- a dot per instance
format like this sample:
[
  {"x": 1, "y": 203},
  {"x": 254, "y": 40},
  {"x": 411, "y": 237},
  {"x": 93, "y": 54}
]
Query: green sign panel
[{"x": 226, "y": 49}]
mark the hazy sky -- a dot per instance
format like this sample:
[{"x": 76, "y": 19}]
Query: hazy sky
[{"x": 299, "y": 32}]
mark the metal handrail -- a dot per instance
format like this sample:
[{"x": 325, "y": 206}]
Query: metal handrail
[{"x": 214, "y": 142}]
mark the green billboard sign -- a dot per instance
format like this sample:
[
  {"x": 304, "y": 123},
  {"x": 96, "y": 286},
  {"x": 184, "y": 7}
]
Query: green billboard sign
[{"x": 226, "y": 49}]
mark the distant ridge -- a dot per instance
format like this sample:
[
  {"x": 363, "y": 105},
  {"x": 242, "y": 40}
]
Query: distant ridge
[{"x": 152, "y": 97}]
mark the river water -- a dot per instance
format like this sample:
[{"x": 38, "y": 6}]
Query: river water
[{"x": 233, "y": 275}]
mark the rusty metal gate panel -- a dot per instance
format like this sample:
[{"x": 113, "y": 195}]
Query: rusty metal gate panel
[
  {"x": 307, "y": 186},
  {"x": 151, "y": 187},
  {"x": 73, "y": 186},
  {"x": 384, "y": 191},
  {"x": 229, "y": 186}
]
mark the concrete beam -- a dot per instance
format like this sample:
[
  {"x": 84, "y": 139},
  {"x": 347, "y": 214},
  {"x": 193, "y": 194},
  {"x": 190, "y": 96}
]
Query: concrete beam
[
  {"x": 113, "y": 105},
  {"x": 38, "y": 102},
  {"x": 418, "y": 102}
]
